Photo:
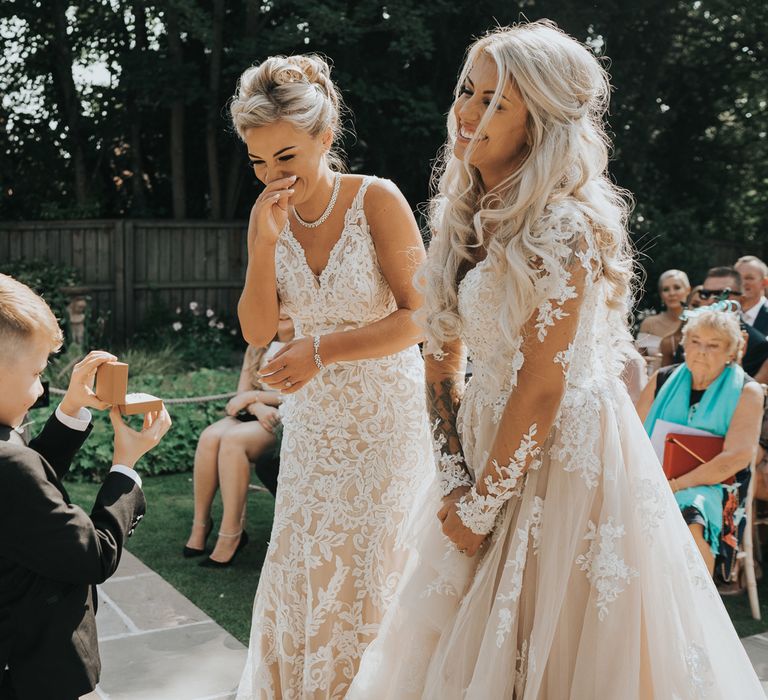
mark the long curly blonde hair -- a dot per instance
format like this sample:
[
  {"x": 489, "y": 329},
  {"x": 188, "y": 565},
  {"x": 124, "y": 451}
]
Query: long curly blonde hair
[{"x": 566, "y": 91}]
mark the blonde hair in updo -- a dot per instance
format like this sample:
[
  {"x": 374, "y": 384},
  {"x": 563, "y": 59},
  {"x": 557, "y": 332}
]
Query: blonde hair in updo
[
  {"x": 566, "y": 91},
  {"x": 297, "y": 89}
]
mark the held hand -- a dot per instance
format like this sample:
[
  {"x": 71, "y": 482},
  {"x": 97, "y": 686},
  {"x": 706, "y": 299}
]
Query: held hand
[
  {"x": 268, "y": 416},
  {"x": 292, "y": 367},
  {"x": 131, "y": 445},
  {"x": 80, "y": 391},
  {"x": 269, "y": 213},
  {"x": 466, "y": 541},
  {"x": 450, "y": 499},
  {"x": 238, "y": 402}
]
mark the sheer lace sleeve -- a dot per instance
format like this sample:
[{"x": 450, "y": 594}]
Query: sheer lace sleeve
[{"x": 534, "y": 402}]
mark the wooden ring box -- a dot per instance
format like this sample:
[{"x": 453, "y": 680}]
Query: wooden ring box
[{"x": 112, "y": 388}]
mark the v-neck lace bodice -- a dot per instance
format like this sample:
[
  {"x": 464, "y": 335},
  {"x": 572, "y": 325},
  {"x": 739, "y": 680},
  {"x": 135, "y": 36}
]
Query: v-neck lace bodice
[{"x": 351, "y": 290}]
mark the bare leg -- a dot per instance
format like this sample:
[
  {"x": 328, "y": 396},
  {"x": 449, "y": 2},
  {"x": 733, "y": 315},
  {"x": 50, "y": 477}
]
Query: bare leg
[
  {"x": 706, "y": 552},
  {"x": 241, "y": 445},
  {"x": 206, "y": 478}
]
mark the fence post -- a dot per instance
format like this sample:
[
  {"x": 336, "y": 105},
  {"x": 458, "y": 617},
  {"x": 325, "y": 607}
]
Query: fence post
[
  {"x": 118, "y": 243},
  {"x": 128, "y": 295}
]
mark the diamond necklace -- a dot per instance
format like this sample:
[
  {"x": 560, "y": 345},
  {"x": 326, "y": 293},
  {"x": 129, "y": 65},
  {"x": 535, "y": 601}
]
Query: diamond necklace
[{"x": 328, "y": 209}]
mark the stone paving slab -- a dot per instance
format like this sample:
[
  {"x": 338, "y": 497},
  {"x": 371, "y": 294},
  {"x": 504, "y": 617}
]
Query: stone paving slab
[
  {"x": 150, "y": 602},
  {"x": 110, "y": 622},
  {"x": 157, "y": 645},
  {"x": 757, "y": 650},
  {"x": 183, "y": 663}
]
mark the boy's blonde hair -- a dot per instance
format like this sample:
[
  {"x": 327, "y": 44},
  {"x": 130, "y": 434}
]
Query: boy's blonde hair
[{"x": 23, "y": 316}]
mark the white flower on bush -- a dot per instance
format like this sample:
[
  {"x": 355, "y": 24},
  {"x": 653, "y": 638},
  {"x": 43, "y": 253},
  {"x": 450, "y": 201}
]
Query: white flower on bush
[
  {"x": 219, "y": 325},
  {"x": 233, "y": 332},
  {"x": 177, "y": 326},
  {"x": 178, "y": 310},
  {"x": 211, "y": 323},
  {"x": 209, "y": 313},
  {"x": 193, "y": 306}
]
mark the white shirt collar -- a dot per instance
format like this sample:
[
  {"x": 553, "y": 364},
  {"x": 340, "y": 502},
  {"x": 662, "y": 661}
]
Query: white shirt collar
[{"x": 751, "y": 315}]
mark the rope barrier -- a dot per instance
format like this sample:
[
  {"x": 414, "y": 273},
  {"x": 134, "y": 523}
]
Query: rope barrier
[{"x": 191, "y": 399}]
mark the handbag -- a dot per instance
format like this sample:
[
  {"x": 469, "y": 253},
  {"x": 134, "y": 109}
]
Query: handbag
[{"x": 683, "y": 453}]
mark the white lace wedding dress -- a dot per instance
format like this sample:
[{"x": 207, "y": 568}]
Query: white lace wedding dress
[
  {"x": 355, "y": 450},
  {"x": 590, "y": 585}
]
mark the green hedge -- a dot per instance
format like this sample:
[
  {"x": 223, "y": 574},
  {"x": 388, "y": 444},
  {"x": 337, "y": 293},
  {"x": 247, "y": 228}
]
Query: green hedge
[{"x": 177, "y": 450}]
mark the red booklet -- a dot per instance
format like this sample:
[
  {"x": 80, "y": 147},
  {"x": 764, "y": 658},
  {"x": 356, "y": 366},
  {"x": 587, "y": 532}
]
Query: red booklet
[{"x": 683, "y": 453}]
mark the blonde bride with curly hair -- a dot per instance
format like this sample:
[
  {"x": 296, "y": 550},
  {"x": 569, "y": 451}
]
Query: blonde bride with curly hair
[
  {"x": 337, "y": 254},
  {"x": 549, "y": 559}
]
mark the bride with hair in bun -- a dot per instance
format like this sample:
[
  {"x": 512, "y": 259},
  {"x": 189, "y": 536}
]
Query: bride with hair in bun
[
  {"x": 549, "y": 559},
  {"x": 336, "y": 253}
]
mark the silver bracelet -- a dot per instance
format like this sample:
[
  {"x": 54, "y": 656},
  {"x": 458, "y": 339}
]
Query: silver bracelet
[{"x": 318, "y": 359}]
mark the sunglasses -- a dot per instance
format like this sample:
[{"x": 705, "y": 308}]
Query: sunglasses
[{"x": 721, "y": 294}]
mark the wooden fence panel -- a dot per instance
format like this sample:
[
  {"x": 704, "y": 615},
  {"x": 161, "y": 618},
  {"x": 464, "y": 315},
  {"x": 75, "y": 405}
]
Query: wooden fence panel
[
  {"x": 127, "y": 266},
  {"x": 130, "y": 265}
]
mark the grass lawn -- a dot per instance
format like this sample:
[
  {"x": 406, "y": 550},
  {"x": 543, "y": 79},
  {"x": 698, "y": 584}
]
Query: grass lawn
[{"x": 227, "y": 594}]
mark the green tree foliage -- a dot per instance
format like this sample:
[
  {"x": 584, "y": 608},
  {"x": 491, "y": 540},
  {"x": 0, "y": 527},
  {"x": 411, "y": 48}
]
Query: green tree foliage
[{"x": 688, "y": 114}]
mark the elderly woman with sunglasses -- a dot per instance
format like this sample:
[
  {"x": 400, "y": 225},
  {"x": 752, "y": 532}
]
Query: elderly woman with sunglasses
[{"x": 712, "y": 392}]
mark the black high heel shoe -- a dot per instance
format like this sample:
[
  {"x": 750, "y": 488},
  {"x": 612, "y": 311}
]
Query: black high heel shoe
[
  {"x": 189, "y": 552},
  {"x": 213, "y": 564}
]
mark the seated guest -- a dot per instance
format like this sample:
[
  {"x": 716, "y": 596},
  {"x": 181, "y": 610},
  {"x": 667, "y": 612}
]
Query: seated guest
[
  {"x": 712, "y": 392},
  {"x": 674, "y": 289},
  {"x": 725, "y": 283},
  {"x": 52, "y": 553},
  {"x": 227, "y": 448},
  {"x": 671, "y": 349},
  {"x": 754, "y": 279}
]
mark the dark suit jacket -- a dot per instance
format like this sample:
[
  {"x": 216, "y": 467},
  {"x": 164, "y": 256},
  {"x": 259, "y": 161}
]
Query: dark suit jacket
[
  {"x": 761, "y": 320},
  {"x": 756, "y": 352},
  {"x": 52, "y": 554}
]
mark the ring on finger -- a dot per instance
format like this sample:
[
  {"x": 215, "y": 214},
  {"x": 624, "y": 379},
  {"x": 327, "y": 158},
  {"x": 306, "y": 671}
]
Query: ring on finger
[{"x": 288, "y": 383}]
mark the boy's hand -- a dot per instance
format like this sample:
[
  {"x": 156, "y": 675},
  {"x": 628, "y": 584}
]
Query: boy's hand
[
  {"x": 80, "y": 392},
  {"x": 130, "y": 445}
]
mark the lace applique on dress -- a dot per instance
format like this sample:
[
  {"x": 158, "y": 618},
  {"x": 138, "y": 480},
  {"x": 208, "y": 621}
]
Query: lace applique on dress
[
  {"x": 699, "y": 670},
  {"x": 478, "y": 512},
  {"x": 578, "y": 436},
  {"x": 514, "y": 568},
  {"x": 451, "y": 468},
  {"x": 649, "y": 505},
  {"x": 606, "y": 570},
  {"x": 537, "y": 516},
  {"x": 521, "y": 669},
  {"x": 697, "y": 569}
]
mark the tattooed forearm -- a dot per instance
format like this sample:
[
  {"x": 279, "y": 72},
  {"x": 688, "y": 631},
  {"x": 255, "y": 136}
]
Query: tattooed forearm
[{"x": 444, "y": 399}]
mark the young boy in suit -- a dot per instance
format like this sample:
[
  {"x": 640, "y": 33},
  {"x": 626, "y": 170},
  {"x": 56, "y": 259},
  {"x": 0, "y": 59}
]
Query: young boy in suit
[{"x": 52, "y": 553}]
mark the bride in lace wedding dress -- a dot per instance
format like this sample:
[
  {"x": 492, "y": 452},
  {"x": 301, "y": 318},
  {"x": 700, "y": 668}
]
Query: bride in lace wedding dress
[
  {"x": 356, "y": 448},
  {"x": 558, "y": 565}
]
